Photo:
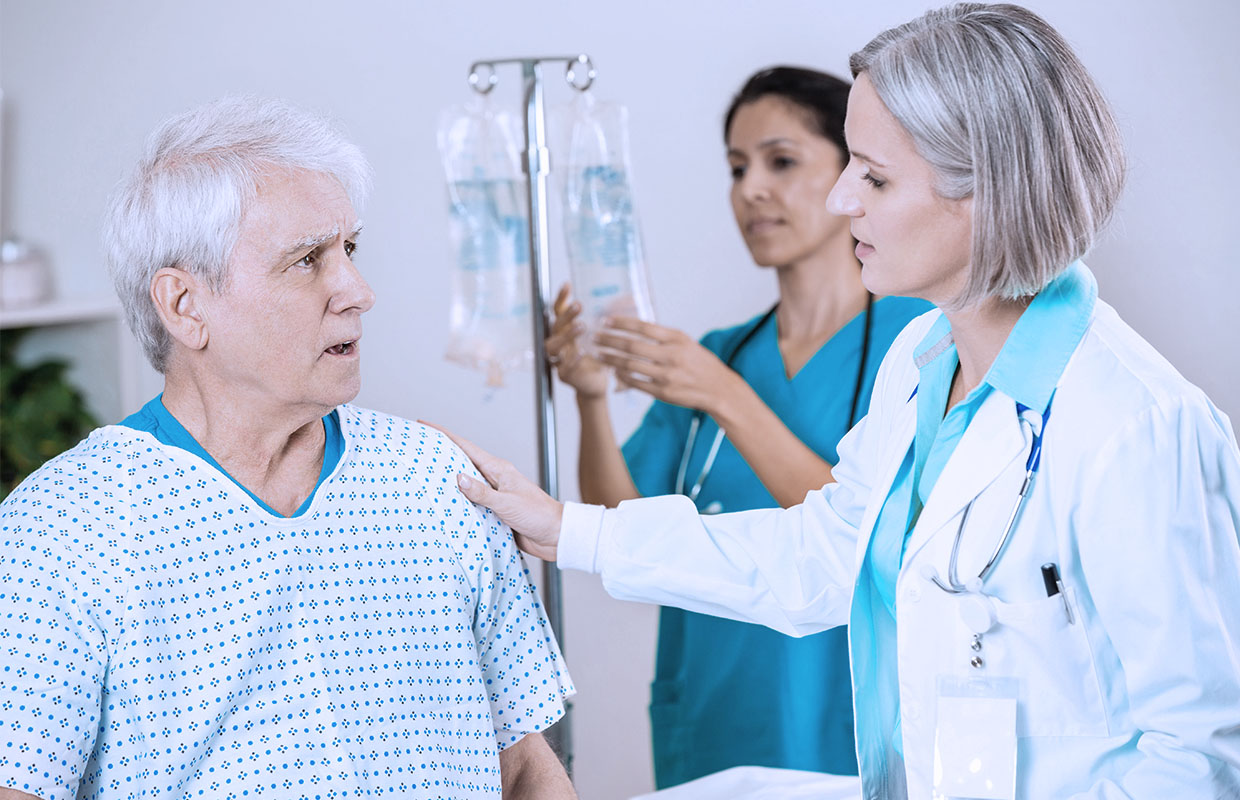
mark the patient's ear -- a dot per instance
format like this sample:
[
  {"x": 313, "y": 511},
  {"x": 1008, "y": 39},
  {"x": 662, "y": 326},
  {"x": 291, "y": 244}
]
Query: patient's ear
[{"x": 178, "y": 298}]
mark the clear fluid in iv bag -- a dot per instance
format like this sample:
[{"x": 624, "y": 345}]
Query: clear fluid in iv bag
[
  {"x": 604, "y": 246},
  {"x": 490, "y": 314}
]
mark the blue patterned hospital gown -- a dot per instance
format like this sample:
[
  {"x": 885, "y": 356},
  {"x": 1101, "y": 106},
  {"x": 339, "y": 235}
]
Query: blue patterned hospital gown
[{"x": 163, "y": 636}]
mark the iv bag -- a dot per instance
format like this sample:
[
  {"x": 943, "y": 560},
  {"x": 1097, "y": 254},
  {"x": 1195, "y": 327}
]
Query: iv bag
[
  {"x": 489, "y": 229},
  {"x": 605, "y": 253}
]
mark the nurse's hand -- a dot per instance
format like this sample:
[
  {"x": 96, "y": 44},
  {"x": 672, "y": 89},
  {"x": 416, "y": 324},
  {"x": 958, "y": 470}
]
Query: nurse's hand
[
  {"x": 580, "y": 371},
  {"x": 533, "y": 515},
  {"x": 668, "y": 364}
]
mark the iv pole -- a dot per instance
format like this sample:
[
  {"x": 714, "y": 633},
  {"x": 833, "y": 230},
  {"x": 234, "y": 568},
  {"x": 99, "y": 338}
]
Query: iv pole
[{"x": 536, "y": 164}]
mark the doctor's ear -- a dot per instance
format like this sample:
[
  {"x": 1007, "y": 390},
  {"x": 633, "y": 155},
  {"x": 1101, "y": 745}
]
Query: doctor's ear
[{"x": 178, "y": 297}]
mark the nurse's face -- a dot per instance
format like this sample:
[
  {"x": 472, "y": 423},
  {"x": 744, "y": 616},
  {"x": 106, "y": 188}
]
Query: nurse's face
[
  {"x": 781, "y": 174},
  {"x": 283, "y": 333},
  {"x": 912, "y": 242}
]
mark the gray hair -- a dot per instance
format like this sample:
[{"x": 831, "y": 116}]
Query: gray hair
[
  {"x": 1003, "y": 110},
  {"x": 182, "y": 205}
]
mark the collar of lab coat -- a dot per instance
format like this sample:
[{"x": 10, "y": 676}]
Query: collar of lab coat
[
  {"x": 1035, "y": 353},
  {"x": 992, "y": 442},
  {"x": 1026, "y": 371},
  {"x": 1033, "y": 358}
]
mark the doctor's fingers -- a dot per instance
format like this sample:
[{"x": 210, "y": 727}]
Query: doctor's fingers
[{"x": 492, "y": 467}]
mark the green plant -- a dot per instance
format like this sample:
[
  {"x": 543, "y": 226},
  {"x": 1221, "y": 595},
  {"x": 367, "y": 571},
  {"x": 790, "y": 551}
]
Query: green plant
[{"x": 41, "y": 414}]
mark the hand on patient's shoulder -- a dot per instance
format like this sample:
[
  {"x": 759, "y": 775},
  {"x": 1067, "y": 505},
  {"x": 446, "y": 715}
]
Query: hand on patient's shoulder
[{"x": 533, "y": 515}]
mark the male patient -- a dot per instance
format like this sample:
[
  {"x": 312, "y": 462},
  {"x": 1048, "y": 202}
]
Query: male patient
[{"x": 251, "y": 588}]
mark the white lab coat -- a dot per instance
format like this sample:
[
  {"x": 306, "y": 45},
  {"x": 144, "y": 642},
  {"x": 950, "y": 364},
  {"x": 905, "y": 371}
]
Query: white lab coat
[{"x": 1137, "y": 502}]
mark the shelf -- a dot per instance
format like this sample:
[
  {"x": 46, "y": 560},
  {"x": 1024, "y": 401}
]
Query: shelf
[{"x": 64, "y": 311}]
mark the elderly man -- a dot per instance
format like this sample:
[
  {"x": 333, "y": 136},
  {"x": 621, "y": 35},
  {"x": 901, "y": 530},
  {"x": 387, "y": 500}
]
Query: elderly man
[{"x": 249, "y": 587}]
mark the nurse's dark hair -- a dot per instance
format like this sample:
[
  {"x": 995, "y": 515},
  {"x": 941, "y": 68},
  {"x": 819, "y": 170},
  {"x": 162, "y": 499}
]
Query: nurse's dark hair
[
  {"x": 1006, "y": 114},
  {"x": 822, "y": 98}
]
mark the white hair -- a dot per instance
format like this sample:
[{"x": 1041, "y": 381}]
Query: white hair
[
  {"x": 1003, "y": 110},
  {"x": 182, "y": 205}
]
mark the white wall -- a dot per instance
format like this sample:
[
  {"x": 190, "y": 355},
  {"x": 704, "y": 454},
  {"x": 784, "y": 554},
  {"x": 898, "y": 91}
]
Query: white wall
[{"x": 86, "y": 81}]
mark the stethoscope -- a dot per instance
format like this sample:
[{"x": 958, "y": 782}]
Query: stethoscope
[
  {"x": 695, "y": 423},
  {"x": 974, "y": 585}
]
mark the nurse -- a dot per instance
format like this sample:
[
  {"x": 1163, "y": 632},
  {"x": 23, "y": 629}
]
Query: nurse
[
  {"x": 748, "y": 418},
  {"x": 1033, "y": 533}
]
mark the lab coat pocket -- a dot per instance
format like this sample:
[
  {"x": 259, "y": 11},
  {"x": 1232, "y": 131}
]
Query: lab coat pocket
[{"x": 1059, "y": 690}]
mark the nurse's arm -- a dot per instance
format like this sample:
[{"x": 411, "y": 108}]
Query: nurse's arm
[
  {"x": 1157, "y": 528},
  {"x": 673, "y": 367},
  {"x": 787, "y": 467}
]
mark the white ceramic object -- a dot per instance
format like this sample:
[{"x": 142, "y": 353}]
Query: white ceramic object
[{"x": 24, "y": 275}]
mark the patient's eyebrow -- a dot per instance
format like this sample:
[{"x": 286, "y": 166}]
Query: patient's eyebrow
[
  {"x": 311, "y": 242},
  {"x": 315, "y": 241}
]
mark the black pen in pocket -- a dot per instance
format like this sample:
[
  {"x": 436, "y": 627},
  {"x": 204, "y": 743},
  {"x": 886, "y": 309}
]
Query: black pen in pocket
[{"x": 1054, "y": 586}]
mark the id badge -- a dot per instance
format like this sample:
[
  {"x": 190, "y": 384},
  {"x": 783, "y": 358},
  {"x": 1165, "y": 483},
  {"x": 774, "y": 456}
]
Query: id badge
[{"x": 975, "y": 739}]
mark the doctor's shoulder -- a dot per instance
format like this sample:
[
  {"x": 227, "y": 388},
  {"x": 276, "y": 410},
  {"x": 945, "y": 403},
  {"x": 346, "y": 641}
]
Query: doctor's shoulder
[{"x": 1117, "y": 380}]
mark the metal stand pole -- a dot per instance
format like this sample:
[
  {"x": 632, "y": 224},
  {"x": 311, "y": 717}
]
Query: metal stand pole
[{"x": 536, "y": 164}]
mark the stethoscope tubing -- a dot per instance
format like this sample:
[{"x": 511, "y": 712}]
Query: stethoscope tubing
[
  {"x": 953, "y": 584},
  {"x": 695, "y": 423}
]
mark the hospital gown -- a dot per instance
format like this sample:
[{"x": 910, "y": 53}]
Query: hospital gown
[{"x": 163, "y": 635}]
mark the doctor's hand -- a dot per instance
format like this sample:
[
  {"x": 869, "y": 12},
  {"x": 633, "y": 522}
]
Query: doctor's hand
[
  {"x": 580, "y": 371},
  {"x": 533, "y": 515},
  {"x": 668, "y": 364}
]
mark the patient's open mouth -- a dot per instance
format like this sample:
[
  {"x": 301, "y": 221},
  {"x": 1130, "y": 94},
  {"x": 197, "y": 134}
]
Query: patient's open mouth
[{"x": 343, "y": 349}]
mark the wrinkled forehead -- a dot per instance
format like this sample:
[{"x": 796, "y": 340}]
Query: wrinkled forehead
[
  {"x": 293, "y": 204},
  {"x": 289, "y": 213}
]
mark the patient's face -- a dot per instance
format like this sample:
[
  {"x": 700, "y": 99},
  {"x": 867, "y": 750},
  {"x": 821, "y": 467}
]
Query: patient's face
[{"x": 283, "y": 334}]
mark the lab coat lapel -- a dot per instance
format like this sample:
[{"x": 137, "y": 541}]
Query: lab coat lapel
[{"x": 993, "y": 440}]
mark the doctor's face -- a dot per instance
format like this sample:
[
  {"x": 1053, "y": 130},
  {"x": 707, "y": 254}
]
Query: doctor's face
[
  {"x": 284, "y": 331},
  {"x": 912, "y": 242},
  {"x": 781, "y": 174}
]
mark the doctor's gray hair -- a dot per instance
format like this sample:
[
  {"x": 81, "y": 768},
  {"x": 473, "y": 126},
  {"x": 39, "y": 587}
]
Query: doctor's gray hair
[
  {"x": 1003, "y": 110},
  {"x": 182, "y": 205}
]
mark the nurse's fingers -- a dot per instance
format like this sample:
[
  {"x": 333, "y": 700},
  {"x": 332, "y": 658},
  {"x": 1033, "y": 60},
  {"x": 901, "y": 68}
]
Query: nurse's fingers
[
  {"x": 563, "y": 338},
  {"x": 566, "y": 316},
  {"x": 633, "y": 380},
  {"x": 562, "y": 298},
  {"x": 646, "y": 371},
  {"x": 648, "y": 350},
  {"x": 650, "y": 330}
]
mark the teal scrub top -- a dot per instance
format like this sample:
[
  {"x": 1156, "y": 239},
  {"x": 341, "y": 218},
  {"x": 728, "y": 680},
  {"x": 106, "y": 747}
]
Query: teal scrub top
[
  {"x": 729, "y": 693},
  {"x": 155, "y": 419}
]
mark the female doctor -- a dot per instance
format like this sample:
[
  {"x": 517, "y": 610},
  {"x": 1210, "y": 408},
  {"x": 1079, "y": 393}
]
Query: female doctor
[{"x": 1033, "y": 533}]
